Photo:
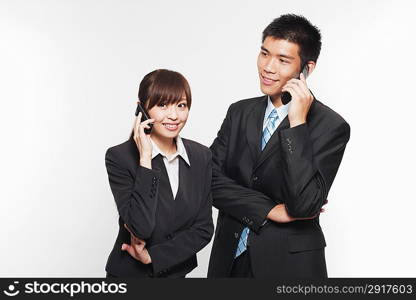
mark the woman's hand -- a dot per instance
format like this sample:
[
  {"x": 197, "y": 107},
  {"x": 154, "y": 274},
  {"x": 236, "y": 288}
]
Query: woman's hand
[
  {"x": 143, "y": 141},
  {"x": 137, "y": 248}
]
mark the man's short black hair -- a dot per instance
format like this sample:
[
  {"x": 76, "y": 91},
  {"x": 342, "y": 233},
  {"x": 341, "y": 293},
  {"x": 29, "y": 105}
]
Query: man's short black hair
[{"x": 296, "y": 29}]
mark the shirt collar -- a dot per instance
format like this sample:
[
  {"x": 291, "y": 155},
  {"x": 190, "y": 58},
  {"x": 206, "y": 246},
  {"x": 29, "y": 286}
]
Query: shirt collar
[
  {"x": 282, "y": 110},
  {"x": 180, "y": 151}
]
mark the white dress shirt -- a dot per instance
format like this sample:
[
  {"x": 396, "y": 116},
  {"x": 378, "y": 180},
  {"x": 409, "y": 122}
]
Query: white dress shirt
[
  {"x": 172, "y": 162},
  {"x": 282, "y": 112}
]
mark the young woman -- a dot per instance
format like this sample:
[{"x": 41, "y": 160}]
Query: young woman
[{"x": 161, "y": 185}]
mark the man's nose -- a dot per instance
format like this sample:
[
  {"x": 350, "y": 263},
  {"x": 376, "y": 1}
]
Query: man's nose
[{"x": 270, "y": 66}]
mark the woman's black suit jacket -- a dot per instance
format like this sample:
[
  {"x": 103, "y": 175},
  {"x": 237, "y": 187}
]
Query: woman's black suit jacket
[{"x": 174, "y": 229}]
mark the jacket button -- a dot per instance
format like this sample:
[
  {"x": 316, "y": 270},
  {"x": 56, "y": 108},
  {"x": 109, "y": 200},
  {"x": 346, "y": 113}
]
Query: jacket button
[
  {"x": 236, "y": 235},
  {"x": 255, "y": 178},
  {"x": 169, "y": 236}
]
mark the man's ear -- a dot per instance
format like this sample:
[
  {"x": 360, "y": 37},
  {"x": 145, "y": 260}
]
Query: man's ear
[{"x": 311, "y": 66}]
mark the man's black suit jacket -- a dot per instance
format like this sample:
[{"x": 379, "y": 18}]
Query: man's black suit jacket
[
  {"x": 297, "y": 168},
  {"x": 174, "y": 229}
]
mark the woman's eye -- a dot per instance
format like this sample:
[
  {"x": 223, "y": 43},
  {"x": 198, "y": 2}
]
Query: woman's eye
[
  {"x": 182, "y": 105},
  {"x": 162, "y": 104}
]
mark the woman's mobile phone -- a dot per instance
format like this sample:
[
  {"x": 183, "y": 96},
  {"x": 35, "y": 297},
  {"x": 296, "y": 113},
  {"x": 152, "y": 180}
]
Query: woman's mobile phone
[
  {"x": 286, "y": 96},
  {"x": 144, "y": 117}
]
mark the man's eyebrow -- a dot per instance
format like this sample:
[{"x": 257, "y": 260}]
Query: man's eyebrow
[
  {"x": 286, "y": 56},
  {"x": 264, "y": 49},
  {"x": 280, "y": 55}
]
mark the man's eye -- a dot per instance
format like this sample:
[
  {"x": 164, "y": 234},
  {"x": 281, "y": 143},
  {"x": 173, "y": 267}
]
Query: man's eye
[
  {"x": 263, "y": 53},
  {"x": 284, "y": 61}
]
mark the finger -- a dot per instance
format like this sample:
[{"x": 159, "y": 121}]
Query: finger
[
  {"x": 303, "y": 91},
  {"x": 139, "y": 247},
  {"x": 136, "y": 240},
  {"x": 134, "y": 123},
  {"x": 137, "y": 124},
  {"x": 299, "y": 87},
  {"x": 142, "y": 134},
  {"x": 141, "y": 240},
  {"x": 125, "y": 247},
  {"x": 129, "y": 249},
  {"x": 147, "y": 122},
  {"x": 304, "y": 87},
  {"x": 295, "y": 81},
  {"x": 292, "y": 91},
  {"x": 302, "y": 77}
]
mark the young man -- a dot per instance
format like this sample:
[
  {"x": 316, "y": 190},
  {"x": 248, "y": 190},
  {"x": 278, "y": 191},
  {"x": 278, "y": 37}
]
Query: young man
[{"x": 273, "y": 165}]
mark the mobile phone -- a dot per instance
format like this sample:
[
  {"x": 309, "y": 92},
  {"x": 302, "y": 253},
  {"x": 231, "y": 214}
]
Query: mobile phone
[
  {"x": 144, "y": 117},
  {"x": 286, "y": 96}
]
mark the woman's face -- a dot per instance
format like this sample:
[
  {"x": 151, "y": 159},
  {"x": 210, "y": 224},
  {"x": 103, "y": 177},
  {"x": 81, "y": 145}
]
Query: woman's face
[{"x": 169, "y": 118}]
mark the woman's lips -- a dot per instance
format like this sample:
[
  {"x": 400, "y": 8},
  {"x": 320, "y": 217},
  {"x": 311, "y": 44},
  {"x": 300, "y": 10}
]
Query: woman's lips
[
  {"x": 171, "y": 127},
  {"x": 267, "y": 81}
]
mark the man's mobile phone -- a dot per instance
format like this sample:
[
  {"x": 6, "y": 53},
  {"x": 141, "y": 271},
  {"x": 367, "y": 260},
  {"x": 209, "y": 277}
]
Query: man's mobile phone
[
  {"x": 144, "y": 117},
  {"x": 286, "y": 96}
]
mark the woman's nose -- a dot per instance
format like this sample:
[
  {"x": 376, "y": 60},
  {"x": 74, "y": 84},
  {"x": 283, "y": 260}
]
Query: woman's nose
[{"x": 172, "y": 113}]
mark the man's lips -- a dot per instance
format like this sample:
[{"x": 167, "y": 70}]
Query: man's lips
[{"x": 267, "y": 81}]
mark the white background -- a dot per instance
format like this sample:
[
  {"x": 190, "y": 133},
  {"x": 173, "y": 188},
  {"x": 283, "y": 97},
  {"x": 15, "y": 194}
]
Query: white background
[{"x": 69, "y": 74}]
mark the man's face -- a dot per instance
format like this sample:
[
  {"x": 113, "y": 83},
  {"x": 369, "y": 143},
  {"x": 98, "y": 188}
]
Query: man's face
[{"x": 278, "y": 62}]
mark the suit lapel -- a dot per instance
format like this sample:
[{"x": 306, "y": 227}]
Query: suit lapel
[
  {"x": 184, "y": 177},
  {"x": 275, "y": 138},
  {"x": 254, "y": 128},
  {"x": 183, "y": 200},
  {"x": 272, "y": 143},
  {"x": 167, "y": 190}
]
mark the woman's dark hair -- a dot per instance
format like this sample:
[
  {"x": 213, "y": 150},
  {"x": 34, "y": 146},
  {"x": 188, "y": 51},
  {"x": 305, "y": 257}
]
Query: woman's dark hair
[
  {"x": 298, "y": 30},
  {"x": 163, "y": 86}
]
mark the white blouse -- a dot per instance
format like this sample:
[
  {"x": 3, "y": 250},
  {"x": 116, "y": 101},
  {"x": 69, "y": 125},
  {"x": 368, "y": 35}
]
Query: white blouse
[{"x": 172, "y": 162}]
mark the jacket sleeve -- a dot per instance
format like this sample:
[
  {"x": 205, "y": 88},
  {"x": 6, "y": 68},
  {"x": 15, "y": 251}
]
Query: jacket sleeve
[
  {"x": 186, "y": 243},
  {"x": 246, "y": 205},
  {"x": 309, "y": 170},
  {"x": 135, "y": 195}
]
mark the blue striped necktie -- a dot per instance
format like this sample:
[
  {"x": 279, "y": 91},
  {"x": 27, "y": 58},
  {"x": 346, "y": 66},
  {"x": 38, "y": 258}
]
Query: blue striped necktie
[{"x": 267, "y": 134}]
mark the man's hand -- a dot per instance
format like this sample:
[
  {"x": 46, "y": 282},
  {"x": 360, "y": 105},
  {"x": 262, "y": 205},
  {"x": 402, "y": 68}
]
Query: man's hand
[
  {"x": 279, "y": 214},
  {"x": 137, "y": 248},
  {"x": 301, "y": 100}
]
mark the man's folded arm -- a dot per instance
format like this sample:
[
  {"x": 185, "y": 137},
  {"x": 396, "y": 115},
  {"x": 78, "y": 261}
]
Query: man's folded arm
[
  {"x": 308, "y": 171},
  {"x": 246, "y": 205}
]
